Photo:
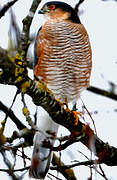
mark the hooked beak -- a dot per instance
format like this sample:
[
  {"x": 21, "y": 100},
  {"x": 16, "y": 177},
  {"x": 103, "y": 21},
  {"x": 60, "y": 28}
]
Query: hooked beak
[{"x": 41, "y": 11}]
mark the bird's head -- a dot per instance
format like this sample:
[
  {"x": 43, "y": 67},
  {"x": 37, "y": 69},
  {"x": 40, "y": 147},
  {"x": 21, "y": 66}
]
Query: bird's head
[{"x": 57, "y": 10}]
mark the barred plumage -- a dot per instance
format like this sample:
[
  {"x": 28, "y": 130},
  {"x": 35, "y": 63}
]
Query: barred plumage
[{"x": 64, "y": 62}]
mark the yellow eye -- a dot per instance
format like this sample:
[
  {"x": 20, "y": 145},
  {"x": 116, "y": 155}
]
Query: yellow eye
[{"x": 52, "y": 7}]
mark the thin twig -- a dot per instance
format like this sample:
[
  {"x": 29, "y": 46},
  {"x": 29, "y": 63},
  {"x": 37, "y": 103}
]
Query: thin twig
[
  {"x": 24, "y": 39},
  {"x": 89, "y": 116},
  {"x": 84, "y": 163},
  {"x": 15, "y": 170},
  {"x": 103, "y": 174},
  {"x": 77, "y": 5},
  {"x": 69, "y": 174},
  {"x": 54, "y": 176},
  {"x": 12, "y": 116},
  {"x": 6, "y": 7},
  {"x": 72, "y": 139},
  {"x": 10, "y": 167},
  {"x": 102, "y": 92}
]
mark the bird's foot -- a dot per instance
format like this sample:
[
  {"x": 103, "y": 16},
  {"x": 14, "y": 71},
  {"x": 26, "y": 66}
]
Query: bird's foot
[
  {"x": 76, "y": 113},
  {"x": 73, "y": 111},
  {"x": 76, "y": 117}
]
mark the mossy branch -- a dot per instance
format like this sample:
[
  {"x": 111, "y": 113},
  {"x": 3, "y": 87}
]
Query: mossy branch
[{"x": 42, "y": 96}]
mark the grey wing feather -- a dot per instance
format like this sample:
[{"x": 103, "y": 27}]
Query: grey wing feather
[{"x": 35, "y": 47}]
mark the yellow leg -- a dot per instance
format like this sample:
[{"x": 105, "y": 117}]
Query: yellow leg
[
  {"x": 71, "y": 111},
  {"x": 74, "y": 112},
  {"x": 76, "y": 116}
]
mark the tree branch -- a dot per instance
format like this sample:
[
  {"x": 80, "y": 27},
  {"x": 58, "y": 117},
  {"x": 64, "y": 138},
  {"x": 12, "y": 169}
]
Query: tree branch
[
  {"x": 102, "y": 92},
  {"x": 14, "y": 72},
  {"x": 15, "y": 170},
  {"x": 42, "y": 96},
  {"x": 6, "y": 7},
  {"x": 77, "y": 5},
  {"x": 24, "y": 39},
  {"x": 67, "y": 173},
  {"x": 10, "y": 167},
  {"x": 10, "y": 113},
  {"x": 84, "y": 163}
]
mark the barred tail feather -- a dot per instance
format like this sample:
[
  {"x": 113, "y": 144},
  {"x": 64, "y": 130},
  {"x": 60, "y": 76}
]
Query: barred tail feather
[
  {"x": 41, "y": 159},
  {"x": 42, "y": 156}
]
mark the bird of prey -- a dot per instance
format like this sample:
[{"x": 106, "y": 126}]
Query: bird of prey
[{"x": 63, "y": 61}]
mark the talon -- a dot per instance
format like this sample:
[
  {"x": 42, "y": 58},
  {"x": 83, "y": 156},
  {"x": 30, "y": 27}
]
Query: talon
[
  {"x": 76, "y": 116},
  {"x": 71, "y": 111}
]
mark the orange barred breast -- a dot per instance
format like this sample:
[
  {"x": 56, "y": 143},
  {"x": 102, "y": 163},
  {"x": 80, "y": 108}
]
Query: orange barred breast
[{"x": 64, "y": 58}]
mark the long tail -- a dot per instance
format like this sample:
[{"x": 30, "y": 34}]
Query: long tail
[{"x": 42, "y": 156}]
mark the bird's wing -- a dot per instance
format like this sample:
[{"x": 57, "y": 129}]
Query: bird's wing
[{"x": 36, "y": 49}]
